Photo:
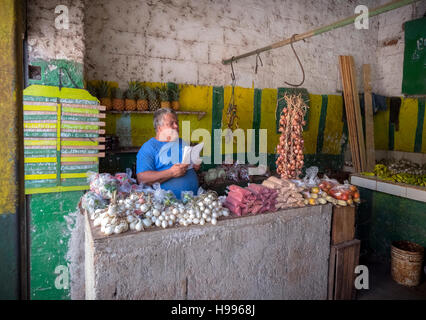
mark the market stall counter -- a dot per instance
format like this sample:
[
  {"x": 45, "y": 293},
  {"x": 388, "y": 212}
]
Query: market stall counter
[{"x": 276, "y": 255}]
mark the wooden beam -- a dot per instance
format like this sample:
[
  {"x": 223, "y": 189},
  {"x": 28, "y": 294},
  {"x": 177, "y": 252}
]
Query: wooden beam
[{"x": 369, "y": 120}]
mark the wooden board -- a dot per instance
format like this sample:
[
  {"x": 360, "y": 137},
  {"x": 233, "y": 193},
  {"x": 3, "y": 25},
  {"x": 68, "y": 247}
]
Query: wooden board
[
  {"x": 357, "y": 111},
  {"x": 343, "y": 224},
  {"x": 344, "y": 258},
  {"x": 369, "y": 121}
]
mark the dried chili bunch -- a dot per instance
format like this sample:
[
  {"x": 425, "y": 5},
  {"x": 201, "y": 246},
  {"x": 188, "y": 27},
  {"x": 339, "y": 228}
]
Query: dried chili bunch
[{"x": 290, "y": 147}]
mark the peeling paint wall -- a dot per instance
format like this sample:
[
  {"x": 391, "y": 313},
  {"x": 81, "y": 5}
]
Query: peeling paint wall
[
  {"x": 390, "y": 47},
  {"x": 47, "y": 42},
  {"x": 184, "y": 41}
]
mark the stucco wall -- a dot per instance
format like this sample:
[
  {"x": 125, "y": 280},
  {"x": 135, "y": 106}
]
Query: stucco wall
[
  {"x": 47, "y": 42},
  {"x": 184, "y": 41},
  {"x": 390, "y": 47},
  {"x": 281, "y": 255}
]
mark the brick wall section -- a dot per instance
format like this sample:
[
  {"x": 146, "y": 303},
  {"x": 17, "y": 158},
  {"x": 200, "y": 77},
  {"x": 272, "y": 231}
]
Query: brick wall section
[{"x": 185, "y": 41}]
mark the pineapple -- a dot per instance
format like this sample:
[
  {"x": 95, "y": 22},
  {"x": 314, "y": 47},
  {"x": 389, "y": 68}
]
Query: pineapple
[
  {"x": 142, "y": 102},
  {"x": 164, "y": 97},
  {"x": 174, "y": 95},
  {"x": 154, "y": 103},
  {"x": 117, "y": 99},
  {"x": 131, "y": 96},
  {"x": 92, "y": 89},
  {"x": 104, "y": 94}
]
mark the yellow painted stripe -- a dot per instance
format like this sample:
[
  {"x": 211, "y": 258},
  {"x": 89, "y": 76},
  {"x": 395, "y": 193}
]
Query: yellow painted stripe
[
  {"x": 310, "y": 136},
  {"x": 78, "y": 159},
  {"x": 244, "y": 101},
  {"x": 406, "y": 135},
  {"x": 333, "y": 125},
  {"x": 55, "y": 189},
  {"x": 79, "y": 143},
  {"x": 39, "y": 142},
  {"x": 39, "y": 125},
  {"x": 54, "y": 92},
  {"x": 39, "y": 176},
  {"x": 39, "y": 160},
  {"x": 80, "y": 110},
  {"x": 381, "y": 130},
  {"x": 39, "y": 108},
  {"x": 267, "y": 118},
  {"x": 196, "y": 98},
  {"x": 73, "y": 175}
]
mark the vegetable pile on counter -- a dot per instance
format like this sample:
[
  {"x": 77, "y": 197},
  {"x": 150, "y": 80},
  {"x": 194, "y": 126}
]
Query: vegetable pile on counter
[
  {"x": 289, "y": 195},
  {"x": 402, "y": 171},
  {"x": 252, "y": 199},
  {"x": 145, "y": 207},
  {"x": 290, "y": 148}
]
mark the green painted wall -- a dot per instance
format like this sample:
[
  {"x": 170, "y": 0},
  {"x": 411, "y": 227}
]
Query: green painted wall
[
  {"x": 51, "y": 226},
  {"x": 383, "y": 218},
  {"x": 11, "y": 150}
]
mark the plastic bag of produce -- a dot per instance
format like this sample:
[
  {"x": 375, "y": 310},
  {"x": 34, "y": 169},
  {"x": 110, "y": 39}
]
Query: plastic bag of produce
[
  {"x": 311, "y": 179},
  {"x": 92, "y": 201},
  {"x": 200, "y": 191},
  {"x": 159, "y": 194},
  {"x": 103, "y": 184},
  {"x": 169, "y": 198},
  {"x": 326, "y": 183},
  {"x": 186, "y": 196}
]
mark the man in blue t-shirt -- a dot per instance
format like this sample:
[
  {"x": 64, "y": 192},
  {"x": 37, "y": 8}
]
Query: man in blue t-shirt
[{"x": 159, "y": 159}]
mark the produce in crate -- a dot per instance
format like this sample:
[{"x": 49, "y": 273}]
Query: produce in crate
[
  {"x": 163, "y": 93},
  {"x": 131, "y": 95},
  {"x": 290, "y": 146},
  {"x": 117, "y": 99},
  {"x": 142, "y": 102},
  {"x": 104, "y": 94}
]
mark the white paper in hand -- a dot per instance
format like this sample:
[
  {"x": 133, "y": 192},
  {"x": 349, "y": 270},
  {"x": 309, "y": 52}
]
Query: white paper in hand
[{"x": 191, "y": 155}]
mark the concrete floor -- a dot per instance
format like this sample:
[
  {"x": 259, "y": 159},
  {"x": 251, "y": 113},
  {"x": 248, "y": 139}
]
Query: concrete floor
[{"x": 383, "y": 287}]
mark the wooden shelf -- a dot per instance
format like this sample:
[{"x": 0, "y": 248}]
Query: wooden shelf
[{"x": 200, "y": 114}]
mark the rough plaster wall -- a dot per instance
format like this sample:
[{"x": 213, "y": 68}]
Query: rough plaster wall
[
  {"x": 45, "y": 41},
  {"x": 282, "y": 255},
  {"x": 76, "y": 257},
  {"x": 185, "y": 41},
  {"x": 390, "y": 50}
]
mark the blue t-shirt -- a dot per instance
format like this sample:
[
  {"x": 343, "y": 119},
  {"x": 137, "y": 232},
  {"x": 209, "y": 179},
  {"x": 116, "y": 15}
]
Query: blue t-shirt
[{"x": 157, "y": 155}]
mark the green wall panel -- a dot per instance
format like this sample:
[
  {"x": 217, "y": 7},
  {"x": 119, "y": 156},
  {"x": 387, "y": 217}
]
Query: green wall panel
[{"x": 50, "y": 233}]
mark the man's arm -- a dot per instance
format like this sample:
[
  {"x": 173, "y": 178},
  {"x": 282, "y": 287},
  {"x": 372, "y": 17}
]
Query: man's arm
[{"x": 151, "y": 177}]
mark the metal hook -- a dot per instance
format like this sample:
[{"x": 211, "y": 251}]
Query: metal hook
[
  {"x": 298, "y": 60},
  {"x": 232, "y": 68}
]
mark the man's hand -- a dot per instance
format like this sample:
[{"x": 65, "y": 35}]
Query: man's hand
[
  {"x": 178, "y": 170},
  {"x": 196, "y": 166}
]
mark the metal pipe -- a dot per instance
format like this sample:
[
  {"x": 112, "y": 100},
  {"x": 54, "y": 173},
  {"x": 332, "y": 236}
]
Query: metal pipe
[{"x": 338, "y": 24}]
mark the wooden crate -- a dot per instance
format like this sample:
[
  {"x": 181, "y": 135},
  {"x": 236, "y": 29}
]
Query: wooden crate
[
  {"x": 344, "y": 258},
  {"x": 342, "y": 224}
]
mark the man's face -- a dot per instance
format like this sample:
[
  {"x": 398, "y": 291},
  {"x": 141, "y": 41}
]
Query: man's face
[{"x": 169, "y": 129}]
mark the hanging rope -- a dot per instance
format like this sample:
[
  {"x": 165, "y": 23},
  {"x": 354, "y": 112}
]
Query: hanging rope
[{"x": 298, "y": 60}]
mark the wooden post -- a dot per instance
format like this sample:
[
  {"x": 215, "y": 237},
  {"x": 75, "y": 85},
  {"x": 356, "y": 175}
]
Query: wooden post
[{"x": 369, "y": 122}]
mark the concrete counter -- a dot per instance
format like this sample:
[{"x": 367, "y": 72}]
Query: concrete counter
[{"x": 280, "y": 255}]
